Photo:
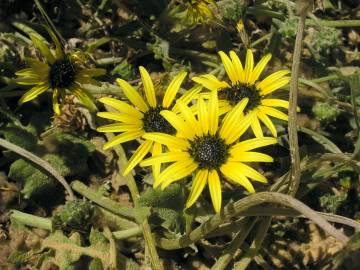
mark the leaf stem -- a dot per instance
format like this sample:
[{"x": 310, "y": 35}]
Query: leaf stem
[
  {"x": 31, "y": 220},
  {"x": 38, "y": 162}
]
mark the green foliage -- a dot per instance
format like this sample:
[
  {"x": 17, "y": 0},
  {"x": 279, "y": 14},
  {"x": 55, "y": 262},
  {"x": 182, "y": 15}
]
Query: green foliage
[
  {"x": 167, "y": 206},
  {"x": 75, "y": 215},
  {"x": 231, "y": 10},
  {"x": 65, "y": 149},
  {"x": 124, "y": 70},
  {"x": 325, "y": 39},
  {"x": 325, "y": 112},
  {"x": 332, "y": 202},
  {"x": 18, "y": 256},
  {"x": 288, "y": 28}
]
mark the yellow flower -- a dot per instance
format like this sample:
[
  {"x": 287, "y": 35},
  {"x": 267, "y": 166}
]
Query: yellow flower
[
  {"x": 59, "y": 72},
  {"x": 244, "y": 83},
  {"x": 135, "y": 120},
  {"x": 208, "y": 149},
  {"x": 198, "y": 11},
  {"x": 240, "y": 26}
]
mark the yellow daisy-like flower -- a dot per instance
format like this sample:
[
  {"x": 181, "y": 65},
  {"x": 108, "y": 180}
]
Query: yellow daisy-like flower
[
  {"x": 59, "y": 72},
  {"x": 245, "y": 83},
  {"x": 198, "y": 11},
  {"x": 143, "y": 117},
  {"x": 208, "y": 149}
]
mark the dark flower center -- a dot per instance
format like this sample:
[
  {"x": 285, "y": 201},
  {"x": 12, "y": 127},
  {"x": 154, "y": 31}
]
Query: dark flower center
[
  {"x": 62, "y": 73},
  {"x": 154, "y": 122},
  {"x": 239, "y": 91},
  {"x": 209, "y": 151}
]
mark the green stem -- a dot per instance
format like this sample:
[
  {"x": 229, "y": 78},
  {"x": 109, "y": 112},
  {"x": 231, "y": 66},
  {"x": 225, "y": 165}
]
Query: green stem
[
  {"x": 235, "y": 209},
  {"x": 337, "y": 23},
  {"x": 255, "y": 245},
  {"x": 31, "y": 220},
  {"x": 262, "y": 39},
  {"x": 103, "y": 201},
  {"x": 130, "y": 181},
  {"x": 229, "y": 251},
  {"x": 124, "y": 234}
]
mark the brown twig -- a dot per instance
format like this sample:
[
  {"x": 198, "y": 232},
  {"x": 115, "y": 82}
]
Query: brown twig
[{"x": 292, "y": 126}]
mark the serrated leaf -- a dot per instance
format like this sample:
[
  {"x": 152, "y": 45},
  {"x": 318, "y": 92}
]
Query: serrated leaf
[
  {"x": 325, "y": 142},
  {"x": 20, "y": 137}
]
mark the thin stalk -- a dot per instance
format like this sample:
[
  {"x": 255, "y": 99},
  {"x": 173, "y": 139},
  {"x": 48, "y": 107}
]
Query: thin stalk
[
  {"x": 255, "y": 245},
  {"x": 124, "y": 234},
  {"x": 229, "y": 251},
  {"x": 337, "y": 23},
  {"x": 103, "y": 201},
  {"x": 292, "y": 126},
  {"x": 235, "y": 209},
  {"x": 38, "y": 162},
  {"x": 130, "y": 181},
  {"x": 31, "y": 220},
  {"x": 262, "y": 39}
]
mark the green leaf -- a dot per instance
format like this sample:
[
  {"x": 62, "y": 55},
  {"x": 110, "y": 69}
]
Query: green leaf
[
  {"x": 19, "y": 257},
  {"x": 167, "y": 206},
  {"x": 20, "y": 137},
  {"x": 325, "y": 142},
  {"x": 75, "y": 215},
  {"x": 35, "y": 182}
]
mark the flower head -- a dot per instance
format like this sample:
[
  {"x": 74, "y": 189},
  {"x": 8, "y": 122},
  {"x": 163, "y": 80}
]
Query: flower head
[
  {"x": 245, "y": 83},
  {"x": 59, "y": 72},
  {"x": 142, "y": 116},
  {"x": 198, "y": 11},
  {"x": 208, "y": 149}
]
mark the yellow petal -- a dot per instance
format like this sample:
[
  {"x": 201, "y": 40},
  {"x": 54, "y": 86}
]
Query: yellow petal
[
  {"x": 123, "y": 137},
  {"x": 148, "y": 86},
  {"x": 173, "y": 89},
  {"x": 239, "y": 70},
  {"x": 119, "y": 127},
  {"x": 253, "y": 144},
  {"x": 166, "y": 139},
  {"x": 259, "y": 68},
  {"x": 28, "y": 80},
  {"x": 176, "y": 171},
  {"x": 239, "y": 129},
  {"x": 138, "y": 155},
  {"x": 34, "y": 92},
  {"x": 84, "y": 97},
  {"x": 188, "y": 96},
  {"x": 275, "y": 86},
  {"x": 273, "y": 102},
  {"x": 43, "y": 48},
  {"x": 55, "y": 102},
  {"x": 203, "y": 116},
  {"x": 188, "y": 116},
  {"x": 178, "y": 123},
  {"x": 231, "y": 171},
  {"x": 250, "y": 157},
  {"x": 228, "y": 66},
  {"x": 272, "y": 78},
  {"x": 121, "y": 117},
  {"x": 197, "y": 187},
  {"x": 233, "y": 118},
  {"x": 267, "y": 122},
  {"x": 92, "y": 72},
  {"x": 250, "y": 172},
  {"x": 133, "y": 95},
  {"x": 26, "y": 72},
  {"x": 249, "y": 65},
  {"x": 165, "y": 158},
  {"x": 256, "y": 127},
  {"x": 156, "y": 168},
  {"x": 213, "y": 113},
  {"x": 274, "y": 113},
  {"x": 215, "y": 190},
  {"x": 121, "y": 106}
]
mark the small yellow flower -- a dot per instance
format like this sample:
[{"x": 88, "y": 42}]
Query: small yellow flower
[
  {"x": 240, "y": 26},
  {"x": 208, "y": 149},
  {"x": 198, "y": 11},
  {"x": 59, "y": 72},
  {"x": 244, "y": 83},
  {"x": 136, "y": 120}
]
